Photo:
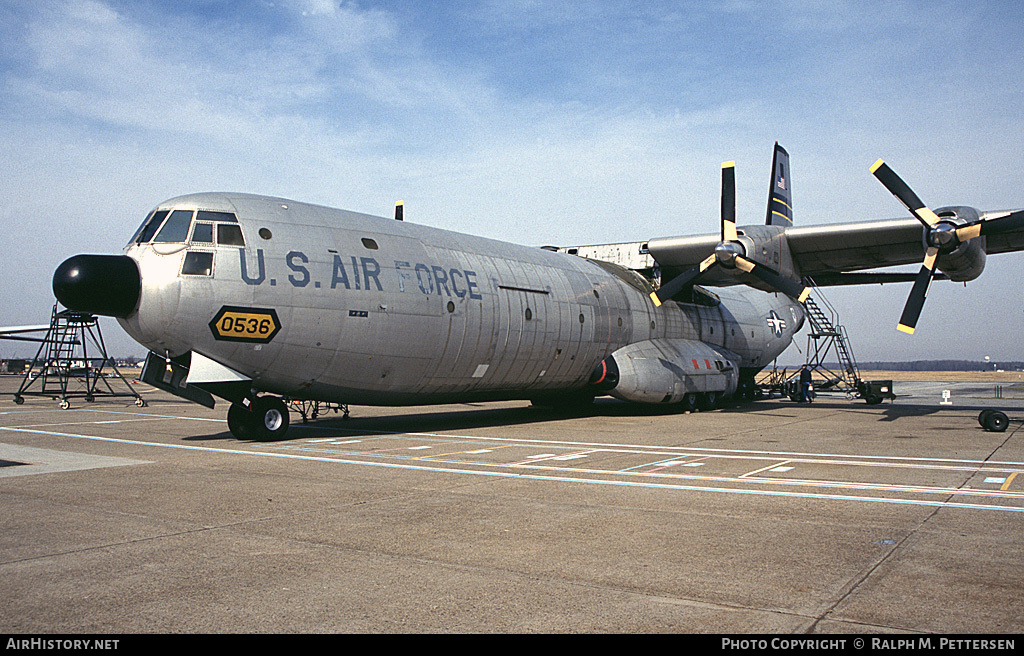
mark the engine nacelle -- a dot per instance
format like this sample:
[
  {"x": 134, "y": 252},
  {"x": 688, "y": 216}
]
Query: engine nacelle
[
  {"x": 967, "y": 260},
  {"x": 666, "y": 371}
]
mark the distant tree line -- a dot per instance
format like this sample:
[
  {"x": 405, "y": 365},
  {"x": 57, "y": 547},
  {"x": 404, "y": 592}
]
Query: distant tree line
[{"x": 942, "y": 365}]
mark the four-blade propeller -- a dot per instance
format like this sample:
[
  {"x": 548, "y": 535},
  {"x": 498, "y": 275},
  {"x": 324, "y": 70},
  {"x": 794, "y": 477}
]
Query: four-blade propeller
[
  {"x": 731, "y": 254},
  {"x": 940, "y": 236}
]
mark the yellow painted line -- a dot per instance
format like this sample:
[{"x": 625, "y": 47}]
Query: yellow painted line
[{"x": 1006, "y": 485}]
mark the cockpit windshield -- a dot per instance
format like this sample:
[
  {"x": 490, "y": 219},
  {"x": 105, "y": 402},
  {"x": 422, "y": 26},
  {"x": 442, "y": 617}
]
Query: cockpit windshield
[
  {"x": 149, "y": 226},
  {"x": 175, "y": 228},
  {"x": 201, "y": 227}
]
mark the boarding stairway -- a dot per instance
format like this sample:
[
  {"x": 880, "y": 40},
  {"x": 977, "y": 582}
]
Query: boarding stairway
[{"x": 827, "y": 336}]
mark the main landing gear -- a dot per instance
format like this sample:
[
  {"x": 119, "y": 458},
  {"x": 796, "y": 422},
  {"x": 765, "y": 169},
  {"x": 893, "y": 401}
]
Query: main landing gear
[{"x": 266, "y": 420}]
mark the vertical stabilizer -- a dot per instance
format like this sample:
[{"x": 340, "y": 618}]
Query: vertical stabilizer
[{"x": 780, "y": 196}]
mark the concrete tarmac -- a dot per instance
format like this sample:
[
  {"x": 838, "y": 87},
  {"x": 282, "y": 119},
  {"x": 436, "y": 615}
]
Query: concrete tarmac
[{"x": 769, "y": 517}]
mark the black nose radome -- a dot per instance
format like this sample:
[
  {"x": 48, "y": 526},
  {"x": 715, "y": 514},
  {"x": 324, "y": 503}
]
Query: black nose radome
[{"x": 98, "y": 284}]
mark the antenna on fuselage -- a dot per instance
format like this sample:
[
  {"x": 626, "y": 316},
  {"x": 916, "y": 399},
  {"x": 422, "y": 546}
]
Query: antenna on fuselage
[{"x": 400, "y": 211}]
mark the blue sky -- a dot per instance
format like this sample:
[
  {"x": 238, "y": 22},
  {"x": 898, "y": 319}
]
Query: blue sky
[{"x": 539, "y": 123}]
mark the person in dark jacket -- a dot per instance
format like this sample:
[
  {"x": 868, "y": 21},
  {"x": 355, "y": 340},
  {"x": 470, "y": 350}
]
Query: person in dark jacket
[{"x": 805, "y": 384}]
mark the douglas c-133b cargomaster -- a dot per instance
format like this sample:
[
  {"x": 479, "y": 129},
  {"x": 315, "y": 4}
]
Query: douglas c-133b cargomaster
[{"x": 258, "y": 300}]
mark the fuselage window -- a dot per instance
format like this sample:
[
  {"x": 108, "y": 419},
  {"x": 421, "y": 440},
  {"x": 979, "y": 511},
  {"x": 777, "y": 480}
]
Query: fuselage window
[
  {"x": 149, "y": 227},
  {"x": 369, "y": 243},
  {"x": 202, "y": 233},
  {"x": 197, "y": 263},
  {"x": 175, "y": 228},
  {"x": 229, "y": 235}
]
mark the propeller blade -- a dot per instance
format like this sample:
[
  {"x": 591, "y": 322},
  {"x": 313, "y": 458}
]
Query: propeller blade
[
  {"x": 1011, "y": 221},
  {"x": 915, "y": 302},
  {"x": 898, "y": 188},
  {"x": 728, "y": 211},
  {"x": 676, "y": 285},
  {"x": 729, "y": 201},
  {"x": 776, "y": 281}
]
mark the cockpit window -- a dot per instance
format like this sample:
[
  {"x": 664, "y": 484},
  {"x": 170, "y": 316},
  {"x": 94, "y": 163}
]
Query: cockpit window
[
  {"x": 176, "y": 227},
  {"x": 149, "y": 226},
  {"x": 197, "y": 263},
  {"x": 202, "y": 233},
  {"x": 224, "y": 217},
  {"x": 229, "y": 235}
]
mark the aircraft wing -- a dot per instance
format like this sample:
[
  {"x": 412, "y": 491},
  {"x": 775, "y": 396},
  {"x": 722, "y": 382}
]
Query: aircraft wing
[
  {"x": 17, "y": 333},
  {"x": 1008, "y": 241},
  {"x": 842, "y": 247},
  {"x": 825, "y": 253},
  {"x": 819, "y": 251}
]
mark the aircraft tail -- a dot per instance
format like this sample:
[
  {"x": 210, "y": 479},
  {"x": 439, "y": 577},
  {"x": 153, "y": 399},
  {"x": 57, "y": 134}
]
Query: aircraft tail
[{"x": 780, "y": 197}]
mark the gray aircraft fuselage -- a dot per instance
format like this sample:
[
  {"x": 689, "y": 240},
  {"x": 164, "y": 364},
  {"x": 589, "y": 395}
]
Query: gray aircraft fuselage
[{"x": 332, "y": 305}]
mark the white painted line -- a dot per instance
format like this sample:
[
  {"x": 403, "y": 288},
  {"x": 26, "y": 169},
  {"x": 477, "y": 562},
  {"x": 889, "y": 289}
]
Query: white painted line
[
  {"x": 768, "y": 468},
  {"x": 534, "y": 477},
  {"x": 995, "y": 479}
]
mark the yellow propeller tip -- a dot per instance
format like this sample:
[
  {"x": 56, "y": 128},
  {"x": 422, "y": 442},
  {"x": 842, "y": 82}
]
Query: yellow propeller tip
[
  {"x": 906, "y": 329},
  {"x": 729, "y": 165},
  {"x": 654, "y": 297},
  {"x": 877, "y": 165}
]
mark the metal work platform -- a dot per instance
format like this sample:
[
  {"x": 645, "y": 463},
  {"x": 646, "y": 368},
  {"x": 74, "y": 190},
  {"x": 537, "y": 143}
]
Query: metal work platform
[{"x": 72, "y": 362}]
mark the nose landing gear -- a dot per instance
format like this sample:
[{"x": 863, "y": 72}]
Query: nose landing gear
[{"x": 266, "y": 421}]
